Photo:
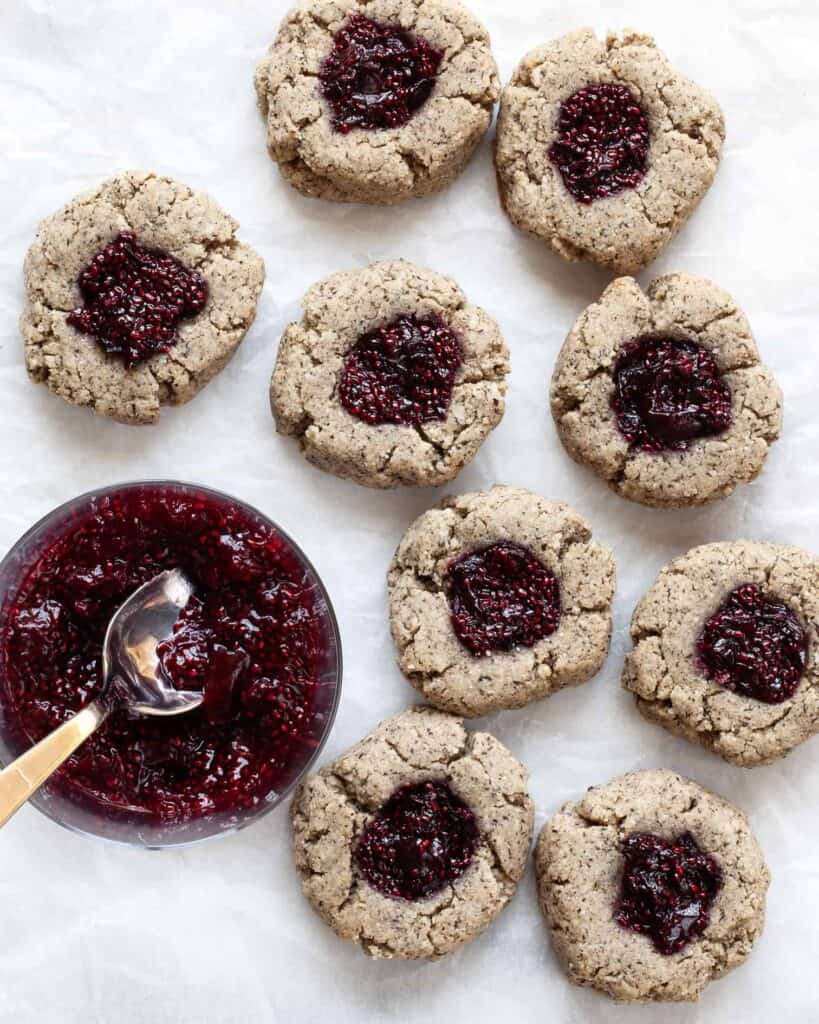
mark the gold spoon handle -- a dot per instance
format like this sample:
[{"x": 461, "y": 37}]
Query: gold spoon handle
[{"x": 24, "y": 776}]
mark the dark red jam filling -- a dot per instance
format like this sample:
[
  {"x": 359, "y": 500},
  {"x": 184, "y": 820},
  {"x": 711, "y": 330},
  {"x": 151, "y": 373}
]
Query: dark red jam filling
[
  {"x": 668, "y": 392},
  {"x": 402, "y": 373},
  {"x": 377, "y": 76},
  {"x": 667, "y": 890},
  {"x": 602, "y": 142},
  {"x": 423, "y": 838},
  {"x": 501, "y": 597},
  {"x": 252, "y": 638},
  {"x": 754, "y": 646},
  {"x": 134, "y": 298}
]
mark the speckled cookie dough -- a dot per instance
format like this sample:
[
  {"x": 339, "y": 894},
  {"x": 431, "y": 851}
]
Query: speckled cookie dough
[
  {"x": 430, "y": 653},
  {"x": 337, "y": 312},
  {"x": 579, "y": 865},
  {"x": 665, "y": 673},
  {"x": 676, "y": 306},
  {"x": 626, "y": 230},
  {"x": 332, "y": 809},
  {"x": 382, "y": 165},
  {"x": 165, "y": 214}
]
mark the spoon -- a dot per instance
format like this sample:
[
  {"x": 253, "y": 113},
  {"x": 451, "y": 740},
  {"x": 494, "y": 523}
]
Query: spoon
[{"x": 130, "y": 680}]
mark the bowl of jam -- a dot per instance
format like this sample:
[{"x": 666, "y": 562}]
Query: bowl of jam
[{"x": 259, "y": 639}]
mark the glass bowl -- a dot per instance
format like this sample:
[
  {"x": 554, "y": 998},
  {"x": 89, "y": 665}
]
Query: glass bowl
[{"x": 78, "y": 810}]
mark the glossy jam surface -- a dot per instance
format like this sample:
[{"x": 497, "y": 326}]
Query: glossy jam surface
[
  {"x": 376, "y": 75},
  {"x": 134, "y": 298},
  {"x": 602, "y": 142},
  {"x": 754, "y": 646},
  {"x": 402, "y": 373},
  {"x": 667, "y": 393},
  {"x": 667, "y": 889},
  {"x": 423, "y": 838},
  {"x": 501, "y": 597},
  {"x": 252, "y": 638}
]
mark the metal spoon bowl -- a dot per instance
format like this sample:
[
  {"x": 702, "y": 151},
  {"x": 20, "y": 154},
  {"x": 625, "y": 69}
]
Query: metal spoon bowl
[{"x": 130, "y": 664}]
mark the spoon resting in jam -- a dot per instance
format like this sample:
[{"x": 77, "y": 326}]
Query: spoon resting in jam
[{"x": 133, "y": 681}]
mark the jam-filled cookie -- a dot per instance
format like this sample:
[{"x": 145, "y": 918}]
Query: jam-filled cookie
[
  {"x": 725, "y": 650},
  {"x": 391, "y": 377},
  {"x": 412, "y": 842},
  {"x": 376, "y": 101},
  {"x": 662, "y": 393},
  {"x": 603, "y": 149},
  {"x": 138, "y": 293},
  {"x": 499, "y": 598},
  {"x": 652, "y": 887}
]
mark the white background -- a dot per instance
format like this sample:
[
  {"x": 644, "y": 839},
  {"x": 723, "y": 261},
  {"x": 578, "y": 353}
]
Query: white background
[{"x": 220, "y": 932}]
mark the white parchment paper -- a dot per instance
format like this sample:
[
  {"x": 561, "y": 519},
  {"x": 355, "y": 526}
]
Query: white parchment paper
[{"x": 220, "y": 932}]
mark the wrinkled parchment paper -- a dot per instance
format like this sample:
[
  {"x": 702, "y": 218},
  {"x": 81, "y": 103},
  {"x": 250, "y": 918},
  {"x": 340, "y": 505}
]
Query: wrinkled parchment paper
[{"x": 220, "y": 933}]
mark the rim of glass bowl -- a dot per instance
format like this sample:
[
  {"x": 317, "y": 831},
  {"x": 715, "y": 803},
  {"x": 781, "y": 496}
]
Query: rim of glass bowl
[{"x": 54, "y": 807}]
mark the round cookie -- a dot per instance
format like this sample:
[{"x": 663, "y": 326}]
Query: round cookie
[
  {"x": 662, "y": 393},
  {"x": 499, "y": 598},
  {"x": 391, "y": 377},
  {"x": 456, "y": 857},
  {"x": 136, "y": 235},
  {"x": 603, "y": 150},
  {"x": 328, "y": 136},
  {"x": 600, "y": 858},
  {"x": 725, "y": 648}
]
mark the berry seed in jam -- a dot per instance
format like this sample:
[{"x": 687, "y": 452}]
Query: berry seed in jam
[
  {"x": 423, "y": 838},
  {"x": 669, "y": 392},
  {"x": 602, "y": 142},
  {"x": 402, "y": 373},
  {"x": 254, "y": 638},
  {"x": 667, "y": 889},
  {"x": 501, "y": 597},
  {"x": 376, "y": 75},
  {"x": 754, "y": 646},
  {"x": 134, "y": 298}
]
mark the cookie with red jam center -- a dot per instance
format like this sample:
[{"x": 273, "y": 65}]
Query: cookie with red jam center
[
  {"x": 499, "y": 598},
  {"x": 604, "y": 149},
  {"x": 643, "y": 879},
  {"x": 729, "y": 631},
  {"x": 359, "y": 107},
  {"x": 138, "y": 294},
  {"x": 663, "y": 393},
  {"x": 386, "y": 368},
  {"x": 416, "y": 817}
]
